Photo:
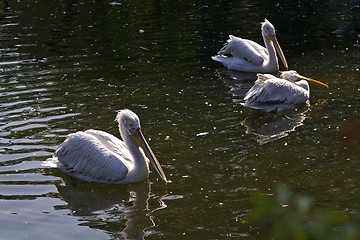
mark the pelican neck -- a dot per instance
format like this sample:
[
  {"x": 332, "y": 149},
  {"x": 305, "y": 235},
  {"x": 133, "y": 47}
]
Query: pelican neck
[
  {"x": 272, "y": 53},
  {"x": 140, "y": 170}
]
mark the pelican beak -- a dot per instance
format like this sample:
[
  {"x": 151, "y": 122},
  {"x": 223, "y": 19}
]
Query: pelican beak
[
  {"x": 278, "y": 49},
  {"x": 314, "y": 82},
  {"x": 138, "y": 138}
]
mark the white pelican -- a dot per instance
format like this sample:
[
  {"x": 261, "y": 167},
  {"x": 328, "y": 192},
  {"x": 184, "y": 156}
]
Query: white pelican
[
  {"x": 278, "y": 94},
  {"x": 97, "y": 156},
  {"x": 249, "y": 56}
]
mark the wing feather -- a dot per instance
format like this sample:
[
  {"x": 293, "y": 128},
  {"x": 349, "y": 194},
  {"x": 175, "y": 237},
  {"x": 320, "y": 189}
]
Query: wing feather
[
  {"x": 245, "y": 49},
  {"x": 94, "y": 156},
  {"x": 271, "y": 93}
]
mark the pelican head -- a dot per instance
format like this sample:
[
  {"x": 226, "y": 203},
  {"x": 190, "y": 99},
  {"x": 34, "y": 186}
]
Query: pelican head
[
  {"x": 293, "y": 76},
  {"x": 129, "y": 125},
  {"x": 127, "y": 120},
  {"x": 268, "y": 31},
  {"x": 267, "y": 28}
]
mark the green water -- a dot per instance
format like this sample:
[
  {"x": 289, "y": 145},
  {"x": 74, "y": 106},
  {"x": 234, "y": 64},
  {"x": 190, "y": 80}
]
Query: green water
[{"x": 67, "y": 67}]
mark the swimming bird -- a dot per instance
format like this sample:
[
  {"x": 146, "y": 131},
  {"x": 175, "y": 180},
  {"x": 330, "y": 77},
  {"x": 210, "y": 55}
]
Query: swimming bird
[
  {"x": 98, "y": 156},
  {"x": 249, "y": 56},
  {"x": 278, "y": 94}
]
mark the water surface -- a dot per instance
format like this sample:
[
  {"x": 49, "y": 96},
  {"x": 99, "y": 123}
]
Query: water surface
[{"x": 67, "y": 67}]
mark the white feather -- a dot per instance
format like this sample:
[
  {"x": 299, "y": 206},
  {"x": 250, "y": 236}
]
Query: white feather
[
  {"x": 275, "y": 94},
  {"x": 94, "y": 155},
  {"x": 245, "y": 49},
  {"x": 247, "y": 56},
  {"x": 98, "y": 156}
]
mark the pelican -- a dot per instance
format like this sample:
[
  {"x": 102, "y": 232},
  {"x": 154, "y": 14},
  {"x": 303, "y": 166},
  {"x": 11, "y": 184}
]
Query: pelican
[
  {"x": 278, "y": 94},
  {"x": 97, "y": 156},
  {"x": 249, "y": 56}
]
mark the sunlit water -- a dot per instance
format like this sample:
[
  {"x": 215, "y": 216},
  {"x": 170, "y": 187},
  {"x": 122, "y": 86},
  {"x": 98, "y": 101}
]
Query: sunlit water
[{"x": 69, "y": 66}]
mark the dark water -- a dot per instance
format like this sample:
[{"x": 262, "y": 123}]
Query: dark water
[{"x": 68, "y": 66}]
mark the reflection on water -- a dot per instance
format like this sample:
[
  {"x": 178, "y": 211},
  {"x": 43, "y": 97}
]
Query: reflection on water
[
  {"x": 238, "y": 82},
  {"x": 99, "y": 205},
  {"x": 237, "y": 77},
  {"x": 68, "y": 66},
  {"x": 271, "y": 127},
  {"x": 266, "y": 127}
]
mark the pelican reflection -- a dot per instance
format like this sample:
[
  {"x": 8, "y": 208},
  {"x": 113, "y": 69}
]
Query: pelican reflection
[
  {"x": 118, "y": 206},
  {"x": 271, "y": 127},
  {"x": 238, "y": 82}
]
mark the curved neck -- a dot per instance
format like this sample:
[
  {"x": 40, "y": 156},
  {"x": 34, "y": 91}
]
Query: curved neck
[
  {"x": 137, "y": 155},
  {"x": 140, "y": 167},
  {"x": 272, "y": 61}
]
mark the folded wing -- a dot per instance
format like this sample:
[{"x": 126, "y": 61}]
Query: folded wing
[
  {"x": 245, "y": 50},
  {"x": 93, "y": 156},
  {"x": 269, "y": 90}
]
